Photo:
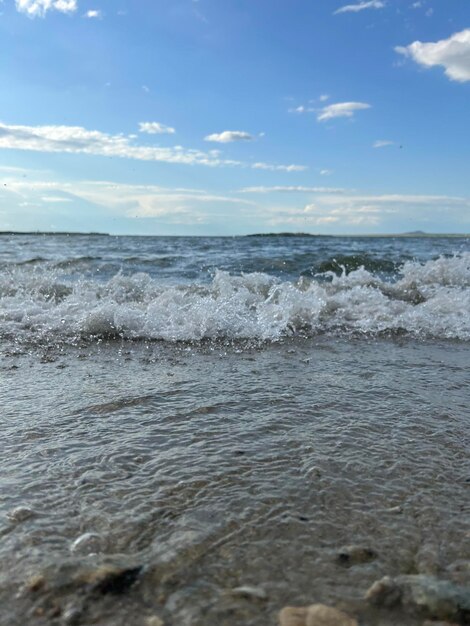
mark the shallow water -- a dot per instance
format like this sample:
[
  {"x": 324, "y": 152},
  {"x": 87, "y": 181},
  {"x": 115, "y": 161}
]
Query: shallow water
[
  {"x": 214, "y": 467},
  {"x": 197, "y": 467}
]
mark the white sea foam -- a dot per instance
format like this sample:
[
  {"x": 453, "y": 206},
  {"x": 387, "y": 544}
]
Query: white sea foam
[{"x": 427, "y": 300}]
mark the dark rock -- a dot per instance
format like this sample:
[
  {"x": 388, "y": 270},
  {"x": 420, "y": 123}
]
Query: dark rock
[{"x": 117, "y": 582}]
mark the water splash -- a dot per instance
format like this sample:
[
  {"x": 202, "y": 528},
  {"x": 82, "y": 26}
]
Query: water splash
[{"x": 429, "y": 299}]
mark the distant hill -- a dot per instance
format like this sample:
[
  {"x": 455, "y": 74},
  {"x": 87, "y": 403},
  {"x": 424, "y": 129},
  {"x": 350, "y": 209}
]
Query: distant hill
[{"x": 286, "y": 235}]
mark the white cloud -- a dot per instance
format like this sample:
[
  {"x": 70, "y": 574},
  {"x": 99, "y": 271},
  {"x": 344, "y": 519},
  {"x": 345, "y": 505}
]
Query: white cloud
[
  {"x": 301, "y": 109},
  {"x": 453, "y": 54},
  {"x": 9, "y": 169},
  {"x": 341, "y": 109},
  {"x": 39, "y": 8},
  {"x": 326, "y": 172},
  {"x": 155, "y": 128},
  {"x": 382, "y": 143},
  {"x": 279, "y": 168},
  {"x": 360, "y": 6},
  {"x": 94, "y": 14},
  {"x": 227, "y": 136},
  {"x": 79, "y": 140},
  {"x": 55, "y": 199},
  {"x": 291, "y": 189}
]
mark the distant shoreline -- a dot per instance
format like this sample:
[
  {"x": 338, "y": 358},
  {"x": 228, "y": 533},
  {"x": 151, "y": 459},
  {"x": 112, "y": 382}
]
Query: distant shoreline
[
  {"x": 415, "y": 234},
  {"x": 52, "y": 232}
]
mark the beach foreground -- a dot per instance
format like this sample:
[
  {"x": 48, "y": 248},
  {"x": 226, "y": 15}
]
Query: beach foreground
[{"x": 157, "y": 479}]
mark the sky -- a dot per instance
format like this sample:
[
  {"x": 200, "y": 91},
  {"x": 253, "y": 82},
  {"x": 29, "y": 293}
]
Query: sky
[{"x": 227, "y": 117}]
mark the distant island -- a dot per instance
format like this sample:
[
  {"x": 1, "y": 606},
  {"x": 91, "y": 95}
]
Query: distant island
[{"x": 415, "y": 233}]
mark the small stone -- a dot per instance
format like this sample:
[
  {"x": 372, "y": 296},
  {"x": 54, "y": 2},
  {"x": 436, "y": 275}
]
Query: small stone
[
  {"x": 35, "y": 583},
  {"x": 354, "y": 555},
  {"x": 293, "y": 616},
  {"x": 322, "y": 615},
  {"x": 429, "y": 622},
  {"x": 153, "y": 620},
  {"x": 71, "y": 616},
  {"x": 55, "y": 611},
  {"x": 20, "y": 514},
  {"x": 384, "y": 592},
  {"x": 427, "y": 560},
  {"x": 314, "y": 615},
  {"x": 397, "y": 510},
  {"x": 247, "y": 591},
  {"x": 433, "y": 598},
  {"x": 88, "y": 543}
]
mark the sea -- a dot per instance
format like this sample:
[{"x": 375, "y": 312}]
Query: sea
[{"x": 196, "y": 430}]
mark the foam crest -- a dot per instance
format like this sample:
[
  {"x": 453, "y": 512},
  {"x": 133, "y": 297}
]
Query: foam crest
[{"x": 425, "y": 300}]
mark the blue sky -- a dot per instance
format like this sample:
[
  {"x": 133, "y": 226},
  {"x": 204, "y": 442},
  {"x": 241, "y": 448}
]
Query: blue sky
[{"x": 235, "y": 116}]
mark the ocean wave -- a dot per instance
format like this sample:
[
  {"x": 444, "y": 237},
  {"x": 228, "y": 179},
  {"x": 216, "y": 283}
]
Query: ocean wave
[
  {"x": 429, "y": 299},
  {"x": 342, "y": 263}
]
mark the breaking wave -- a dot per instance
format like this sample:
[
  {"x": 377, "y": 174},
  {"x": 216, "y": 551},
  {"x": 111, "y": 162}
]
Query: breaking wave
[{"x": 429, "y": 299}]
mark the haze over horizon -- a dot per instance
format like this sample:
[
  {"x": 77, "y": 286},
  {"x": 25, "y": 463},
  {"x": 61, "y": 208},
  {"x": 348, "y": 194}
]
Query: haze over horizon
[{"x": 187, "y": 117}]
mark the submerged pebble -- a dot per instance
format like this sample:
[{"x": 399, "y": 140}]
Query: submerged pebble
[
  {"x": 293, "y": 616},
  {"x": 354, "y": 555},
  {"x": 88, "y": 543},
  {"x": 71, "y": 616},
  {"x": 35, "y": 583},
  {"x": 20, "y": 514},
  {"x": 314, "y": 615},
  {"x": 429, "y": 596},
  {"x": 154, "y": 620},
  {"x": 397, "y": 510},
  {"x": 429, "y": 622},
  {"x": 248, "y": 591}
]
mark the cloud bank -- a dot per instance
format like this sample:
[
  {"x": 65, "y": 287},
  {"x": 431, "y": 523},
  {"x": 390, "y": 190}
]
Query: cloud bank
[
  {"x": 358, "y": 210},
  {"x": 174, "y": 205}
]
